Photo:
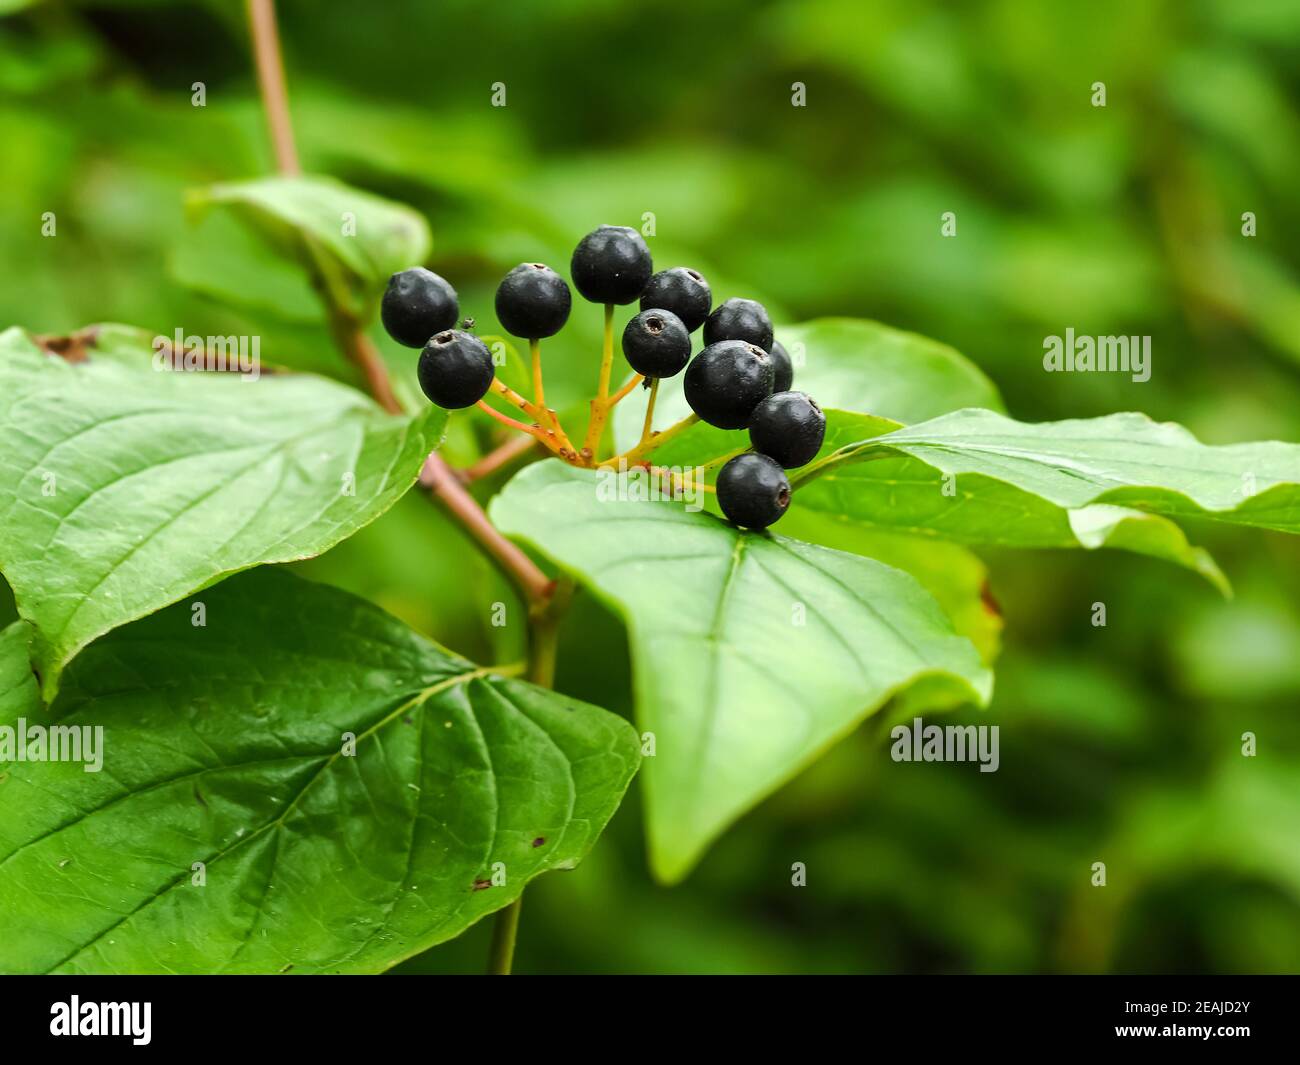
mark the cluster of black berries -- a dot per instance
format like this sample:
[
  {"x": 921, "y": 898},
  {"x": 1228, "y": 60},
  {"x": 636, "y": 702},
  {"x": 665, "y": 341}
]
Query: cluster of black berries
[{"x": 741, "y": 379}]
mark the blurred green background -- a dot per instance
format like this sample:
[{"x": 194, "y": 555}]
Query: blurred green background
[{"x": 1119, "y": 744}]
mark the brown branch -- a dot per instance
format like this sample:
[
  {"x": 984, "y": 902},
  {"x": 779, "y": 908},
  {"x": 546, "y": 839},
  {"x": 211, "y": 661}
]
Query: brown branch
[
  {"x": 270, "y": 78},
  {"x": 439, "y": 478},
  {"x": 363, "y": 354}
]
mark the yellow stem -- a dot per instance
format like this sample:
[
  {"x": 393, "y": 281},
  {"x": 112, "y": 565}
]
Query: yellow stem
[
  {"x": 678, "y": 482},
  {"x": 722, "y": 460},
  {"x": 648, "y": 424},
  {"x": 545, "y": 436},
  {"x": 656, "y": 440},
  {"x": 607, "y": 352},
  {"x": 600, "y": 405},
  {"x": 622, "y": 393},
  {"x": 539, "y": 395}
]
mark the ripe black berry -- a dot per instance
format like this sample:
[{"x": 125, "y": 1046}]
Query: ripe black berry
[
  {"x": 782, "y": 368},
  {"x": 455, "y": 369},
  {"x": 657, "y": 344},
  {"x": 682, "y": 291},
  {"x": 417, "y": 304},
  {"x": 788, "y": 427},
  {"x": 753, "y": 491},
  {"x": 726, "y": 381},
  {"x": 739, "y": 319},
  {"x": 611, "y": 265},
  {"x": 533, "y": 301}
]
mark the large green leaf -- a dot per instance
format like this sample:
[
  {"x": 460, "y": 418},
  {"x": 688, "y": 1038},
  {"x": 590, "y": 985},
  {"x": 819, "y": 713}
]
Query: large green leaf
[
  {"x": 978, "y": 477},
  {"x": 752, "y": 653},
  {"x": 353, "y": 238},
  {"x": 846, "y": 363},
  {"x": 124, "y": 487},
  {"x": 854, "y": 364},
  {"x": 226, "y": 745},
  {"x": 225, "y": 259},
  {"x": 953, "y": 574}
]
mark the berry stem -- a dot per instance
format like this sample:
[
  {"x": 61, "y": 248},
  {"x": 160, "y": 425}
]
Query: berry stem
[
  {"x": 677, "y": 481},
  {"x": 514, "y": 448},
  {"x": 552, "y": 433},
  {"x": 600, "y": 405},
  {"x": 545, "y": 436},
  {"x": 656, "y": 440},
  {"x": 539, "y": 394},
  {"x": 546, "y": 416},
  {"x": 722, "y": 460},
  {"x": 623, "y": 393},
  {"x": 648, "y": 424},
  {"x": 607, "y": 352},
  {"x": 516, "y": 400}
]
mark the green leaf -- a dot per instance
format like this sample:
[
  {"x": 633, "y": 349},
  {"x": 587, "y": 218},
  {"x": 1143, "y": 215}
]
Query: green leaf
[
  {"x": 739, "y": 694},
  {"x": 953, "y": 574},
  {"x": 861, "y": 365},
  {"x": 225, "y": 745},
  {"x": 364, "y": 236},
  {"x": 703, "y": 443},
  {"x": 124, "y": 487},
  {"x": 1110, "y": 481},
  {"x": 225, "y": 260},
  {"x": 848, "y": 364},
  {"x": 19, "y": 693}
]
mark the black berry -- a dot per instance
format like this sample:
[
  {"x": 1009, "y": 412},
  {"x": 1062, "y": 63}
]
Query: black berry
[
  {"x": 417, "y": 304},
  {"x": 682, "y": 291},
  {"x": 657, "y": 344},
  {"x": 726, "y": 381},
  {"x": 782, "y": 368},
  {"x": 533, "y": 301},
  {"x": 753, "y": 491},
  {"x": 611, "y": 265},
  {"x": 788, "y": 427},
  {"x": 739, "y": 319},
  {"x": 455, "y": 369}
]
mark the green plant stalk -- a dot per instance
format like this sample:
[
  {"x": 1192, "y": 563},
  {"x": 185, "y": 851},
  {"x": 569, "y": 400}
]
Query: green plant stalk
[
  {"x": 505, "y": 930},
  {"x": 544, "y": 640},
  {"x": 544, "y": 633}
]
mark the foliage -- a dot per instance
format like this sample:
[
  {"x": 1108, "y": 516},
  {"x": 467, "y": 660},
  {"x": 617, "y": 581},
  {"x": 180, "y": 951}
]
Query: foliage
[{"x": 1120, "y": 742}]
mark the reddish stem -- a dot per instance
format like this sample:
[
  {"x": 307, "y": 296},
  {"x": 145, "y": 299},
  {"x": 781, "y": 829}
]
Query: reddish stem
[
  {"x": 270, "y": 76},
  {"x": 514, "y": 448},
  {"x": 439, "y": 478}
]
